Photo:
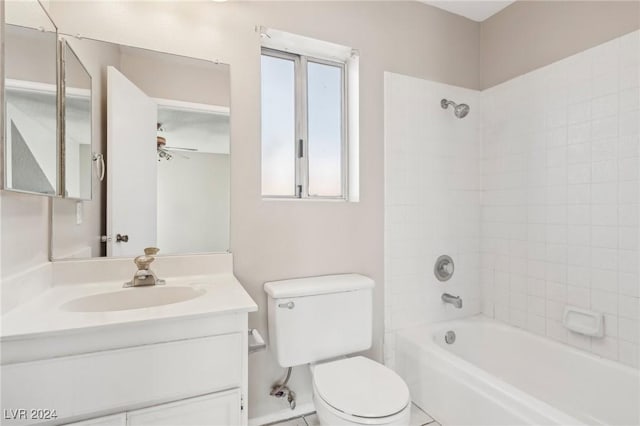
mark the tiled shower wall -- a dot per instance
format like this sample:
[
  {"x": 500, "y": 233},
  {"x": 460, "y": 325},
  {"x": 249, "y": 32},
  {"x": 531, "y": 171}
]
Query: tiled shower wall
[
  {"x": 432, "y": 193},
  {"x": 534, "y": 194},
  {"x": 560, "y": 202}
]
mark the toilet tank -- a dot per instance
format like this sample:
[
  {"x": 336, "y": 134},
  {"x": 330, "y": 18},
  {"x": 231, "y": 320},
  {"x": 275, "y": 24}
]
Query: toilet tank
[{"x": 317, "y": 318}]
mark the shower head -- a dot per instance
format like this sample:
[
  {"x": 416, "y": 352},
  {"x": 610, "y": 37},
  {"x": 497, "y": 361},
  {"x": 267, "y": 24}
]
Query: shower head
[{"x": 460, "y": 111}]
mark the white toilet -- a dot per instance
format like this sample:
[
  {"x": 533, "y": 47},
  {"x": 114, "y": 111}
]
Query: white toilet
[{"x": 319, "y": 320}]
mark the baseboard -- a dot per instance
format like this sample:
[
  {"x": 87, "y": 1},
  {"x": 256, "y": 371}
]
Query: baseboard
[{"x": 282, "y": 415}]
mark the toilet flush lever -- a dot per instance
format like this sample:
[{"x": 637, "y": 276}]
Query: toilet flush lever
[{"x": 289, "y": 305}]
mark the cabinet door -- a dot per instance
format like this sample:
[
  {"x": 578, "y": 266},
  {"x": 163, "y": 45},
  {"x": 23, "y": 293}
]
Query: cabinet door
[
  {"x": 115, "y": 420},
  {"x": 217, "y": 409}
]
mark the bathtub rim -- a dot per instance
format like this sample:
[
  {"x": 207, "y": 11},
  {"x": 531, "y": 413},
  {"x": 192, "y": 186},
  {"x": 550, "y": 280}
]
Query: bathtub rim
[
  {"x": 423, "y": 336},
  {"x": 483, "y": 319}
]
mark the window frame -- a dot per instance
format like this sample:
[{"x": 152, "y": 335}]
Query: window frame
[{"x": 301, "y": 119}]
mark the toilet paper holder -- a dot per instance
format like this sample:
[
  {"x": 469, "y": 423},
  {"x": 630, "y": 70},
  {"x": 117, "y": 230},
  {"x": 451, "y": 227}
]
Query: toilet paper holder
[{"x": 256, "y": 342}]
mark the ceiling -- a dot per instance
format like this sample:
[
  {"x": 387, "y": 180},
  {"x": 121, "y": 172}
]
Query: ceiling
[{"x": 477, "y": 10}]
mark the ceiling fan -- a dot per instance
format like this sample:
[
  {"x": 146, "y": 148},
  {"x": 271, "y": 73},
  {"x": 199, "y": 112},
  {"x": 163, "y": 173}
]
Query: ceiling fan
[{"x": 164, "y": 150}]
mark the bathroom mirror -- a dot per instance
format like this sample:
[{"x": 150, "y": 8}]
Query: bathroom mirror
[
  {"x": 76, "y": 84},
  {"x": 161, "y": 122},
  {"x": 30, "y": 143}
]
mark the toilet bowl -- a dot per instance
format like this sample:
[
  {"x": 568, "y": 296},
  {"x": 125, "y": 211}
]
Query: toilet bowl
[
  {"x": 317, "y": 321},
  {"x": 359, "y": 391}
]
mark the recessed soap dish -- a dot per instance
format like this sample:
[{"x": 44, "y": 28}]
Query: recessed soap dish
[{"x": 583, "y": 321}]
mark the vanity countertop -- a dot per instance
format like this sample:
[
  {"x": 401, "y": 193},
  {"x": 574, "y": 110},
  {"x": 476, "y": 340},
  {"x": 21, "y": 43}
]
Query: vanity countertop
[{"x": 46, "y": 315}]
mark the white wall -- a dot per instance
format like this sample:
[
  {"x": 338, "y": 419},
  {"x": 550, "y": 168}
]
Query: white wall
[
  {"x": 177, "y": 78},
  {"x": 193, "y": 203},
  {"x": 23, "y": 228},
  {"x": 531, "y": 34},
  {"x": 25, "y": 47},
  {"x": 432, "y": 202},
  {"x": 560, "y": 207}
]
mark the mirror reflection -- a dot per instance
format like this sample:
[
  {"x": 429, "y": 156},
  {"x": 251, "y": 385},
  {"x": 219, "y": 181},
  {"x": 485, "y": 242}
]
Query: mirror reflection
[
  {"x": 77, "y": 127},
  {"x": 30, "y": 142},
  {"x": 163, "y": 128}
]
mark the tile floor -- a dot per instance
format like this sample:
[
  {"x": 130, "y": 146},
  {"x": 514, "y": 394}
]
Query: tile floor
[{"x": 418, "y": 418}]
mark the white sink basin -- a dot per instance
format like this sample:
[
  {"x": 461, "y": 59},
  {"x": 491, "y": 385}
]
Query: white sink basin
[{"x": 132, "y": 298}]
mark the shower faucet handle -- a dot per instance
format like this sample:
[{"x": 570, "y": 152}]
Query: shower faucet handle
[{"x": 446, "y": 267}]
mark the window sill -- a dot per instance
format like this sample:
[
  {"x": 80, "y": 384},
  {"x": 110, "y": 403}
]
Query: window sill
[{"x": 308, "y": 200}]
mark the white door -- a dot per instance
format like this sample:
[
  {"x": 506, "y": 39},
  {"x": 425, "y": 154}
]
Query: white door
[
  {"x": 132, "y": 176},
  {"x": 217, "y": 409}
]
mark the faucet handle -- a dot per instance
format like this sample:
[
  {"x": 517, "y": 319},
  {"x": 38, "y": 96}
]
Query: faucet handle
[{"x": 143, "y": 261}]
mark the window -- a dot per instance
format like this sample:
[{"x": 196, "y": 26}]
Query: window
[{"x": 304, "y": 126}]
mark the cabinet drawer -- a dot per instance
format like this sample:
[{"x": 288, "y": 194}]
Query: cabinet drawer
[
  {"x": 115, "y": 380},
  {"x": 115, "y": 420},
  {"x": 222, "y": 408}
]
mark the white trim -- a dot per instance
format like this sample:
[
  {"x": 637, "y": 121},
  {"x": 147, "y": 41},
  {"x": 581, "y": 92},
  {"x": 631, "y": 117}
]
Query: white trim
[
  {"x": 286, "y": 414},
  {"x": 352, "y": 97},
  {"x": 294, "y": 43},
  {"x": 192, "y": 106},
  {"x": 269, "y": 198},
  {"x": 77, "y": 93},
  {"x": 30, "y": 86}
]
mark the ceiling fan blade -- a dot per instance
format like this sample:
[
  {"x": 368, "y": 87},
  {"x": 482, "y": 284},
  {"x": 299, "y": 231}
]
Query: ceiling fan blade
[
  {"x": 164, "y": 154},
  {"x": 177, "y": 148}
]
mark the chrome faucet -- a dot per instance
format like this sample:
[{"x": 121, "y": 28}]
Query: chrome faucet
[
  {"x": 456, "y": 301},
  {"x": 145, "y": 276}
]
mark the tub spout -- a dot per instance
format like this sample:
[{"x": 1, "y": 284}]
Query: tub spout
[{"x": 454, "y": 300}]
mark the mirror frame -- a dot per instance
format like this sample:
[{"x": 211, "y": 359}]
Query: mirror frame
[
  {"x": 59, "y": 192},
  {"x": 62, "y": 119}
]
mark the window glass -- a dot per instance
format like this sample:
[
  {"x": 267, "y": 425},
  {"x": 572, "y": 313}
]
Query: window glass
[
  {"x": 324, "y": 84},
  {"x": 278, "y": 126}
]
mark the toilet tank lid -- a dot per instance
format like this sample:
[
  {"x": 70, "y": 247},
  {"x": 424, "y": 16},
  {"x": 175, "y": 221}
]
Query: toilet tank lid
[{"x": 311, "y": 286}]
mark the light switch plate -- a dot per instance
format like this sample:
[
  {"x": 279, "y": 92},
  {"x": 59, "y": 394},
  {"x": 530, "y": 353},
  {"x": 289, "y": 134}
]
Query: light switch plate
[{"x": 79, "y": 212}]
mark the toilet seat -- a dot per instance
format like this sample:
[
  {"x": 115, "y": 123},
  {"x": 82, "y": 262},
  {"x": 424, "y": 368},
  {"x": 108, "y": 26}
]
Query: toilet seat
[{"x": 361, "y": 388}]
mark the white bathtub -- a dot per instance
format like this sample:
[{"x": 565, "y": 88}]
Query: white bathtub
[{"x": 495, "y": 374}]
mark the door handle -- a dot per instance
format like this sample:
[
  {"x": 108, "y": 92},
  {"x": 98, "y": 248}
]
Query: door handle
[
  {"x": 289, "y": 305},
  {"x": 122, "y": 238}
]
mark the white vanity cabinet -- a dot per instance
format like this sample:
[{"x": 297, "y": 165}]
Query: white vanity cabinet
[
  {"x": 179, "y": 365},
  {"x": 194, "y": 381},
  {"x": 218, "y": 409},
  {"x": 115, "y": 420}
]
